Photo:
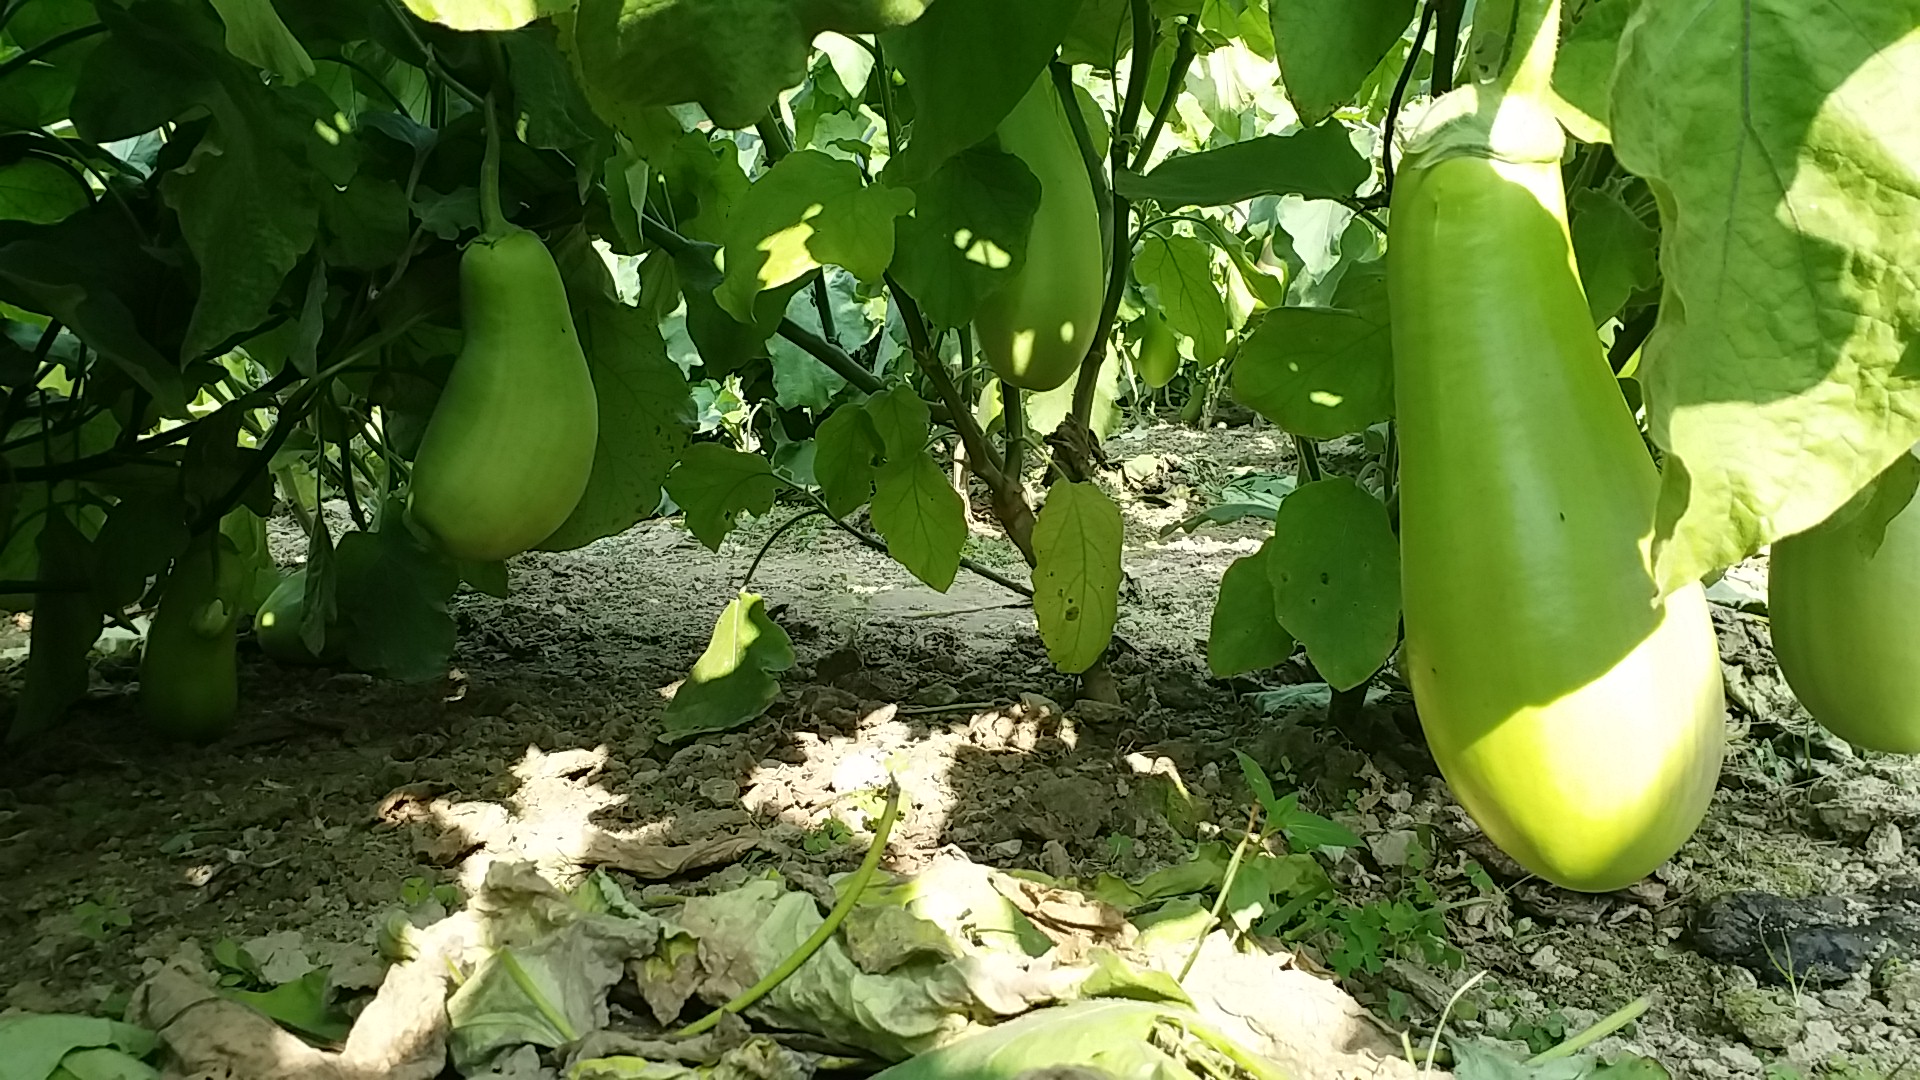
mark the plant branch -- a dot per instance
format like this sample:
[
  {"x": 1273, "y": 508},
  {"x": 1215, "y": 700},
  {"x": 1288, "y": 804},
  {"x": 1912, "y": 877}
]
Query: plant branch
[
  {"x": 1400, "y": 92},
  {"x": 1014, "y": 418},
  {"x": 434, "y": 67},
  {"x": 493, "y": 217},
  {"x": 1083, "y": 138},
  {"x": 774, "y": 135},
  {"x": 796, "y": 519},
  {"x": 1446, "y": 43},
  {"x": 1176, "y": 78},
  {"x": 980, "y": 456},
  {"x": 880, "y": 545},
  {"x": 58, "y": 41}
]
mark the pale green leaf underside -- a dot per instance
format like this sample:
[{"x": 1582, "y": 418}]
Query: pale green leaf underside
[
  {"x": 733, "y": 681},
  {"x": 1179, "y": 270},
  {"x": 1783, "y": 374},
  {"x": 922, "y": 518},
  {"x": 1076, "y": 576}
]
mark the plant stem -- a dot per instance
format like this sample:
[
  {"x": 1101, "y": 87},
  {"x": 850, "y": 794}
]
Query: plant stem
[
  {"x": 1176, "y": 78},
  {"x": 1400, "y": 92},
  {"x": 774, "y": 135},
  {"x": 1220, "y": 901},
  {"x": 880, "y": 546},
  {"x": 1014, "y": 418},
  {"x": 832, "y": 356},
  {"x": 771, "y": 540},
  {"x": 844, "y": 907},
  {"x": 493, "y": 219},
  {"x": 980, "y": 457},
  {"x": 1609, "y": 1024},
  {"x": 1446, "y": 43},
  {"x": 405, "y": 19},
  {"x": 1090, "y": 156}
]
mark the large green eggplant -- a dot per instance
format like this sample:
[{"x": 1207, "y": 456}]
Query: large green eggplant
[
  {"x": 509, "y": 448},
  {"x": 1576, "y": 716},
  {"x": 1844, "y": 597},
  {"x": 1035, "y": 329},
  {"x": 189, "y": 681}
]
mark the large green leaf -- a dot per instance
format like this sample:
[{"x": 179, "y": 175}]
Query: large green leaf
[
  {"x": 1322, "y": 372},
  {"x": 32, "y": 1045},
  {"x": 1327, "y": 48},
  {"x": 646, "y": 412},
  {"x": 1317, "y": 162},
  {"x": 1583, "y": 67},
  {"x": 1616, "y": 251},
  {"x": 37, "y": 190},
  {"x": 1245, "y": 634},
  {"x": 967, "y": 64},
  {"x": 968, "y": 233},
  {"x": 1335, "y": 566},
  {"x": 902, "y": 421},
  {"x": 714, "y": 483},
  {"x": 732, "y": 56},
  {"x": 1783, "y": 374},
  {"x": 1178, "y": 271},
  {"x": 922, "y": 518},
  {"x": 846, "y": 449},
  {"x": 393, "y": 592},
  {"x": 486, "y": 14},
  {"x": 805, "y": 212},
  {"x": 555, "y": 113},
  {"x": 733, "y": 681},
  {"x": 1076, "y": 573},
  {"x": 256, "y": 34}
]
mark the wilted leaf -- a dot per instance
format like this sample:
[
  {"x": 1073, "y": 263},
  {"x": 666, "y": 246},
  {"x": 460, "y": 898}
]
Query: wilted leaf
[
  {"x": 1245, "y": 634},
  {"x": 968, "y": 233},
  {"x": 733, "y": 681},
  {"x": 1076, "y": 575},
  {"x": 714, "y": 483},
  {"x": 1335, "y": 567},
  {"x": 1317, "y": 163},
  {"x": 1781, "y": 376}
]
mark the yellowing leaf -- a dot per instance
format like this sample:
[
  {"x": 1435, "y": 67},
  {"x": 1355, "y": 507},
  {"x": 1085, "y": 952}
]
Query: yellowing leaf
[
  {"x": 732, "y": 682},
  {"x": 1076, "y": 576}
]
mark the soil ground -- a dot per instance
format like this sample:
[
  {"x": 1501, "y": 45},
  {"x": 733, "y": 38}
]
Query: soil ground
[{"x": 113, "y": 853}]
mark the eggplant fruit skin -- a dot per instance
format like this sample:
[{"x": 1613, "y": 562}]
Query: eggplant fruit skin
[
  {"x": 1846, "y": 623},
  {"x": 510, "y": 446},
  {"x": 1035, "y": 329},
  {"x": 1577, "y": 717}
]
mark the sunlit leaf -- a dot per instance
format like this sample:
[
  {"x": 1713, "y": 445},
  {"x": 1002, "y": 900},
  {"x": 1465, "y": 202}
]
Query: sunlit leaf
[
  {"x": 733, "y": 681},
  {"x": 1076, "y": 574}
]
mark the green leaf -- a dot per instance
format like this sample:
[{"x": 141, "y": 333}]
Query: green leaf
[
  {"x": 159, "y": 61},
  {"x": 967, "y": 65},
  {"x": 804, "y": 213},
  {"x": 142, "y": 534},
  {"x": 32, "y": 1045},
  {"x": 1616, "y": 251},
  {"x": 1076, "y": 574},
  {"x": 846, "y": 448},
  {"x": 921, "y": 516},
  {"x": 733, "y": 58},
  {"x": 968, "y": 233},
  {"x": 714, "y": 483},
  {"x": 1178, "y": 270},
  {"x": 1048, "y": 409},
  {"x": 646, "y": 411},
  {"x": 1316, "y": 163},
  {"x": 733, "y": 681},
  {"x": 256, "y": 34},
  {"x": 392, "y": 592},
  {"x": 366, "y": 225},
  {"x": 1307, "y": 832},
  {"x": 1264, "y": 884},
  {"x": 1583, "y": 67},
  {"x": 248, "y": 214},
  {"x": 486, "y": 14},
  {"x": 1101, "y": 34},
  {"x": 301, "y": 1005},
  {"x": 104, "y": 1063},
  {"x": 1335, "y": 566},
  {"x": 1327, "y": 48},
  {"x": 801, "y": 381},
  {"x": 37, "y": 190},
  {"x": 1781, "y": 376},
  {"x": 1255, "y": 776},
  {"x": 38, "y": 95},
  {"x": 1322, "y": 372},
  {"x": 902, "y": 421},
  {"x": 1245, "y": 634},
  {"x": 554, "y": 113}
]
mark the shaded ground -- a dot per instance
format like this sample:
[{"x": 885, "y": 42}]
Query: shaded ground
[{"x": 342, "y": 798}]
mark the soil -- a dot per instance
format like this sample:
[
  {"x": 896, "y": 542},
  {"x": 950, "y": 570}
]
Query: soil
[{"x": 342, "y": 798}]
